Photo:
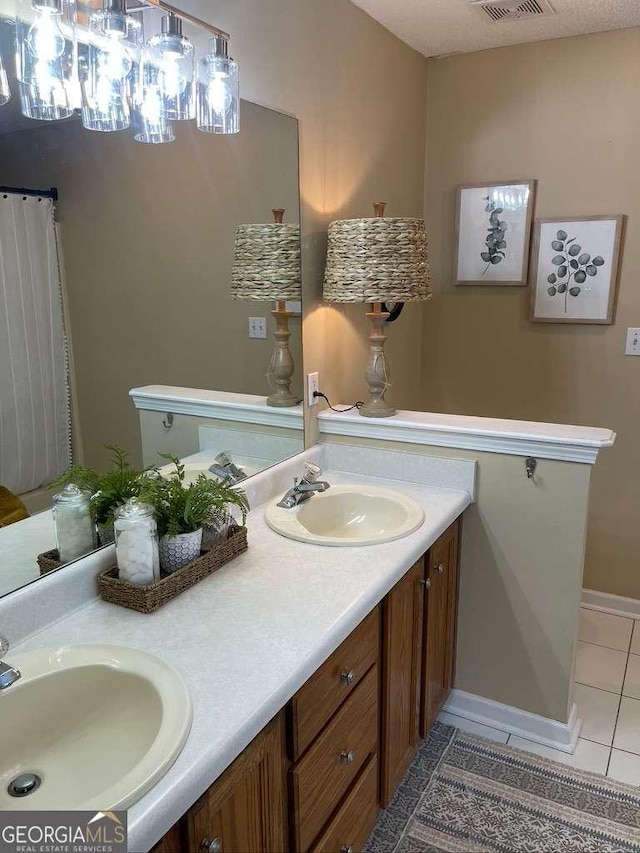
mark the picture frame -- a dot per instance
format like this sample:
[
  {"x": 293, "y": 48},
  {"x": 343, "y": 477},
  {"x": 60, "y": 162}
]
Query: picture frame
[
  {"x": 493, "y": 232},
  {"x": 575, "y": 269}
]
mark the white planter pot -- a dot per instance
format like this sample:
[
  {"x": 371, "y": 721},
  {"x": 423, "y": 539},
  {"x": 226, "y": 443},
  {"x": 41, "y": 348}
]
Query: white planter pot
[{"x": 177, "y": 551}]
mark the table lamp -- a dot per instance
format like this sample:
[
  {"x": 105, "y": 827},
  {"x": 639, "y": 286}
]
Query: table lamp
[
  {"x": 266, "y": 267},
  {"x": 377, "y": 260}
]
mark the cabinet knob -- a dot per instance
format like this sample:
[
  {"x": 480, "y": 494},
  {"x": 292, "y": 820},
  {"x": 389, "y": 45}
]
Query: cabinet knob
[
  {"x": 348, "y": 676},
  {"x": 346, "y": 848},
  {"x": 439, "y": 568},
  {"x": 347, "y": 756},
  {"x": 214, "y": 846},
  {"x": 426, "y": 583}
]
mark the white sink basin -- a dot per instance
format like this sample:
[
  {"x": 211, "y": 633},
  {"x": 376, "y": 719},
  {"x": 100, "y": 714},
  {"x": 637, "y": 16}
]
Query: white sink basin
[
  {"x": 348, "y": 515},
  {"x": 98, "y": 725}
]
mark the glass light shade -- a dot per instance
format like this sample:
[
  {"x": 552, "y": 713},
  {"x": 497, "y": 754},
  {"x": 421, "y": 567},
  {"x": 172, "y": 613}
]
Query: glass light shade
[
  {"x": 174, "y": 57},
  {"x": 218, "y": 95},
  {"x": 147, "y": 120},
  {"x": 114, "y": 47},
  {"x": 46, "y": 59},
  {"x": 5, "y": 92}
]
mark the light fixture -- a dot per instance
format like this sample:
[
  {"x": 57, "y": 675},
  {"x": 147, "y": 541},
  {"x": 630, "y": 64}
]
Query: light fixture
[
  {"x": 377, "y": 260},
  {"x": 218, "y": 90},
  {"x": 266, "y": 267},
  {"x": 148, "y": 122},
  {"x": 114, "y": 47},
  {"x": 174, "y": 57},
  {"x": 45, "y": 60},
  {"x": 5, "y": 92}
]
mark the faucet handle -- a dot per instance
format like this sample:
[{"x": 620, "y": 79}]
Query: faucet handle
[
  {"x": 311, "y": 472},
  {"x": 4, "y": 646}
]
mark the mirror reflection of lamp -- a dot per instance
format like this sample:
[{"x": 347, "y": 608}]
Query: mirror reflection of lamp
[
  {"x": 377, "y": 260},
  {"x": 266, "y": 267}
]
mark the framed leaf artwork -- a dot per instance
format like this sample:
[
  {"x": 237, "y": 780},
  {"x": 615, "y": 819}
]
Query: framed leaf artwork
[
  {"x": 574, "y": 273},
  {"x": 493, "y": 228}
]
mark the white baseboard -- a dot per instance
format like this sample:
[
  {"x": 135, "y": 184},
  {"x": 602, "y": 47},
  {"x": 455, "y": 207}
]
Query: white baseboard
[
  {"x": 609, "y": 603},
  {"x": 506, "y": 718}
]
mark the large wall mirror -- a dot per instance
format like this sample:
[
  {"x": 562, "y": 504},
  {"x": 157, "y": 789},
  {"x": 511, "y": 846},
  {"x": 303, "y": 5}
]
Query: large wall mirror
[{"x": 141, "y": 237}]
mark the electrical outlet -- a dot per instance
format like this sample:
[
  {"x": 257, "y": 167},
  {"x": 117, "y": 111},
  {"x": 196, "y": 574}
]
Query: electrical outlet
[
  {"x": 257, "y": 327},
  {"x": 313, "y": 384},
  {"x": 633, "y": 342}
]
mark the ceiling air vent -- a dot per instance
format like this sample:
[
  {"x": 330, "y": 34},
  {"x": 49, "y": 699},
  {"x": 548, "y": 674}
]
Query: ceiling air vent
[{"x": 496, "y": 11}]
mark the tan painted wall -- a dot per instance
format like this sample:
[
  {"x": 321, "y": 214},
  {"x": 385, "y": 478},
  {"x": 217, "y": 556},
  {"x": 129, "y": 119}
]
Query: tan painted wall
[
  {"x": 564, "y": 112},
  {"x": 520, "y": 578},
  {"x": 359, "y": 94},
  {"x": 147, "y": 236}
]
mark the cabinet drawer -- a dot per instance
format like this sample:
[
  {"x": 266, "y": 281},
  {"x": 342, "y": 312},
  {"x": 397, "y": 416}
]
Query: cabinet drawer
[
  {"x": 319, "y": 698},
  {"x": 352, "y": 825},
  {"x": 332, "y": 763}
]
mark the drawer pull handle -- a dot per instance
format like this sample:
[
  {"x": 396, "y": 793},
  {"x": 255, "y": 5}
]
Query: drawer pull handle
[
  {"x": 439, "y": 568},
  {"x": 214, "y": 846},
  {"x": 346, "y": 848},
  {"x": 347, "y": 756},
  {"x": 348, "y": 676},
  {"x": 426, "y": 583}
]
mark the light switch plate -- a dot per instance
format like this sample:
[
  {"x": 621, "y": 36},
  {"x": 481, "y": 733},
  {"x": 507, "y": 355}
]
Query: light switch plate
[
  {"x": 633, "y": 342},
  {"x": 257, "y": 327}
]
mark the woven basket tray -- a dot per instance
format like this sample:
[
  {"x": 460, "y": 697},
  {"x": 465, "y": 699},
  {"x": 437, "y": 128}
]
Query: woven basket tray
[
  {"x": 48, "y": 561},
  {"x": 148, "y": 599}
]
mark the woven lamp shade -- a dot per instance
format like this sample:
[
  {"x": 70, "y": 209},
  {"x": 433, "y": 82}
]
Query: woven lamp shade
[
  {"x": 267, "y": 262},
  {"x": 381, "y": 259}
]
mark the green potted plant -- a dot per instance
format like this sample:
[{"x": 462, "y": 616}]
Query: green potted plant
[
  {"x": 182, "y": 511},
  {"x": 109, "y": 489}
]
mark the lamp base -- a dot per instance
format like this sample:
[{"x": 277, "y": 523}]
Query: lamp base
[
  {"x": 281, "y": 366},
  {"x": 377, "y": 372}
]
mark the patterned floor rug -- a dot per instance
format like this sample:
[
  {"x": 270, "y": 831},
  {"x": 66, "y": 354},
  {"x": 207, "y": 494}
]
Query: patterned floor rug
[{"x": 464, "y": 794}]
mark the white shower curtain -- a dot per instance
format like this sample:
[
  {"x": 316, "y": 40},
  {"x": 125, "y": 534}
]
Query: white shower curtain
[{"x": 35, "y": 426}]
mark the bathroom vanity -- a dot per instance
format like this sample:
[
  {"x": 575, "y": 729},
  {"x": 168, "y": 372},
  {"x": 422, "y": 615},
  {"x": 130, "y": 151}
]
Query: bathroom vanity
[{"x": 316, "y": 776}]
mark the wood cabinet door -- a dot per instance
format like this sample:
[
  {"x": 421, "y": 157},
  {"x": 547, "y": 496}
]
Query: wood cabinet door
[
  {"x": 440, "y": 615},
  {"x": 245, "y": 810},
  {"x": 401, "y": 675}
]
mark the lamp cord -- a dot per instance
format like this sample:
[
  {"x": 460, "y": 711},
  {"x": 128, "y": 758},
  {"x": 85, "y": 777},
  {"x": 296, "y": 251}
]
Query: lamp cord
[{"x": 357, "y": 405}]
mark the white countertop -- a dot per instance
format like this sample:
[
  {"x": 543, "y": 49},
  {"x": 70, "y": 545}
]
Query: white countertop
[
  {"x": 247, "y": 638},
  {"x": 20, "y": 544},
  {"x": 495, "y": 435}
]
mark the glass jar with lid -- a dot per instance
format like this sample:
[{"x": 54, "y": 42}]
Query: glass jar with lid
[
  {"x": 137, "y": 543},
  {"x": 74, "y": 526}
]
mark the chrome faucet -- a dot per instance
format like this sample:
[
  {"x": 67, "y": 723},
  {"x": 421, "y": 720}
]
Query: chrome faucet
[
  {"x": 226, "y": 469},
  {"x": 8, "y": 674},
  {"x": 304, "y": 487}
]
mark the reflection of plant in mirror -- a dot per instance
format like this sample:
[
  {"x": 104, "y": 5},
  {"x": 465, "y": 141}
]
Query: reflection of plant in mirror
[
  {"x": 109, "y": 489},
  {"x": 184, "y": 509},
  {"x": 496, "y": 244},
  {"x": 571, "y": 263}
]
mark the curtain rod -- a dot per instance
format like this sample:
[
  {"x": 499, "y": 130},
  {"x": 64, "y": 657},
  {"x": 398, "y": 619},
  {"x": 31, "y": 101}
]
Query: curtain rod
[{"x": 52, "y": 193}]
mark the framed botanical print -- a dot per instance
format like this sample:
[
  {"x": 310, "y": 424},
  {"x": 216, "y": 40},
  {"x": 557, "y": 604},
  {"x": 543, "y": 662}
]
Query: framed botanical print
[
  {"x": 574, "y": 273},
  {"x": 493, "y": 228}
]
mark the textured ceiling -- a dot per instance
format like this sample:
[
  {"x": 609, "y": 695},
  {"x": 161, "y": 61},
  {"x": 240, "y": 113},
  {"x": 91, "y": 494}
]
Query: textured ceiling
[{"x": 436, "y": 27}]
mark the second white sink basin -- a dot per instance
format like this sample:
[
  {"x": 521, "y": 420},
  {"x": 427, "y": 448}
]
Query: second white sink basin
[
  {"x": 96, "y": 726},
  {"x": 348, "y": 515}
]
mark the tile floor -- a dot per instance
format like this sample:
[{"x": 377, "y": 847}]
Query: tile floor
[{"x": 607, "y": 692}]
